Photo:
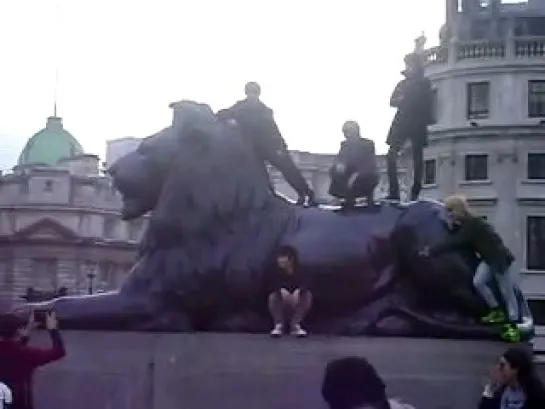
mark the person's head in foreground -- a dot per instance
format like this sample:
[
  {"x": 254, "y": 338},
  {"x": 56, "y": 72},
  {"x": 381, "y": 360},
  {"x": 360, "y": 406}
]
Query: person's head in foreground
[
  {"x": 353, "y": 383},
  {"x": 252, "y": 90},
  {"x": 516, "y": 369},
  {"x": 351, "y": 130}
]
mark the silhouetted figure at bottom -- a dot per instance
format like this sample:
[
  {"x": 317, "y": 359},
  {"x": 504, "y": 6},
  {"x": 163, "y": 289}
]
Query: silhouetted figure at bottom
[
  {"x": 353, "y": 383},
  {"x": 258, "y": 127},
  {"x": 290, "y": 298},
  {"x": 413, "y": 98},
  {"x": 354, "y": 173}
]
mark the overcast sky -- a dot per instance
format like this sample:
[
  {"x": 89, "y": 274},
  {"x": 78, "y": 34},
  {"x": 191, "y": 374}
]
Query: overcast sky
[{"x": 320, "y": 62}]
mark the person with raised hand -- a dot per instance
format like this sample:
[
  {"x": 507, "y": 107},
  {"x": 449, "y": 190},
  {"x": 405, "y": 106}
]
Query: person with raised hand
[{"x": 18, "y": 361}]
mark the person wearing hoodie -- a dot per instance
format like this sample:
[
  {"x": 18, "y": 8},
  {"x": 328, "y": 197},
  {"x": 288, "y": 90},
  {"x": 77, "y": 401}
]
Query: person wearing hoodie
[
  {"x": 353, "y": 383},
  {"x": 259, "y": 129},
  {"x": 514, "y": 383},
  {"x": 19, "y": 361}
]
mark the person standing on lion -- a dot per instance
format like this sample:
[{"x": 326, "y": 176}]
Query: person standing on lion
[
  {"x": 413, "y": 98},
  {"x": 290, "y": 297},
  {"x": 471, "y": 232},
  {"x": 354, "y": 173},
  {"x": 258, "y": 127}
]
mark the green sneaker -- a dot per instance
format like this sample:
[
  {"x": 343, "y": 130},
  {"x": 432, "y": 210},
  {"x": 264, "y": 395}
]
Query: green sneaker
[
  {"x": 494, "y": 317},
  {"x": 510, "y": 333}
]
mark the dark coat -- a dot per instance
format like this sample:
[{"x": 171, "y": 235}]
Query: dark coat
[
  {"x": 358, "y": 156},
  {"x": 257, "y": 124},
  {"x": 477, "y": 235},
  {"x": 413, "y": 98}
]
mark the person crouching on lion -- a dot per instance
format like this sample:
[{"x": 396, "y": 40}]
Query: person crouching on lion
[
  {"x": 290, "y": 298},
  {"x": 471, "y": 232},
  {"x": 354, "y": 173}
]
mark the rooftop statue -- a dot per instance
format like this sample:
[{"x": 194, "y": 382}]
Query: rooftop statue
[{"x": 214, "y": 229}]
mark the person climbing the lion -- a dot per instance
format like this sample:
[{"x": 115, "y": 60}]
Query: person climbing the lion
[
  {"x": 471, "y": 232},
  {"x": 259, "y": 129}
]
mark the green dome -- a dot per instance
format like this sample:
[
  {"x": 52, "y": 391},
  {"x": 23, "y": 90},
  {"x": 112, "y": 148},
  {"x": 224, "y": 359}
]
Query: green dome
[{"x": 50, "y": 145}]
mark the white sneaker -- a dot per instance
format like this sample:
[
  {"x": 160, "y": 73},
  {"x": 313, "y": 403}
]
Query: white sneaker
[
  {"x": 298, "y": 331},
  {"x": 277, "y": 331}
]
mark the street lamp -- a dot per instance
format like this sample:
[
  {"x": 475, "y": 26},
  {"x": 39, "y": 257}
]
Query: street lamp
[{"x": 91, "y": 275}]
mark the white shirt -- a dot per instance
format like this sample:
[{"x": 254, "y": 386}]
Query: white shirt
[{"x": 5, "y": 396}]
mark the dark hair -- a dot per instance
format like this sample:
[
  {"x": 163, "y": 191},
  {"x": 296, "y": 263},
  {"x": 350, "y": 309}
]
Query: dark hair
[
  {"x": 521, "y": 360},
  {"x": 289, "y": 252},
  {"x": 9, "y": 326},
  {"x": 252, "y": 88},
  {"x": 352, "y": 381}
]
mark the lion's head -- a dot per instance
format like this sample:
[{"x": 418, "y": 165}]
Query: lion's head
[{"x": 193, "y": 174}]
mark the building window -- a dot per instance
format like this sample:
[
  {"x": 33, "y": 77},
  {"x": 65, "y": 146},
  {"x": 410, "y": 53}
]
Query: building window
[
  {"x": 476, "y": 167},
  {"x": 535, "y": 243},
  {"x": 536, "y": 99},
  {"x": 430, "y": 172},
  {"x": 44, "y": 271},
  {"x": 110, "y": 224},
  {"x": 478, "y": 100},
  {"x": 135, "y": 227},
  {"x": 435, "y": 106},
  {"x": 536, "y": 166},
  {"x": 48, "y": 186},
  {"x": 537, "y": 308}
]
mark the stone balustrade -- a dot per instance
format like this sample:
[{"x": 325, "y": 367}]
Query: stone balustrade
[{"x": 510, "y": 49}]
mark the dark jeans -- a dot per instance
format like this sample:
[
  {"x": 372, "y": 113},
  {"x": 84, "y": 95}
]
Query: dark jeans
[
  {"x": 418, "y": 169},
  {"x": 363, "y": 186},
  {"x": 282, "y": 161}
]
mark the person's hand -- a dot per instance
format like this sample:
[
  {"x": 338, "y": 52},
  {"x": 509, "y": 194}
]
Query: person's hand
[
  {"x": 425, "y": 252},
  {"x": 51, "y": 322},
  {"x": 351, "y": 180},
  {"x": 494, "y": 375},
  {"x": 30, "y": 326},
  {"x": 340, "y": 168}
]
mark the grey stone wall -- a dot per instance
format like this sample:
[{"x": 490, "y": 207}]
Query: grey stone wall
[{"x": 203, "y": 371}]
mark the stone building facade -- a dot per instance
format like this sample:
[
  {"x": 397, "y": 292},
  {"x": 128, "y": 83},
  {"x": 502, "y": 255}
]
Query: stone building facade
[
  {"x": 59, "y": 222},
  {"x": 488, "y": 141}
]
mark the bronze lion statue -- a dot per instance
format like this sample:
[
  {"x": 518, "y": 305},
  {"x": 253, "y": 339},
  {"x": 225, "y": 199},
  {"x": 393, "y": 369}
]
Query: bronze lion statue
[{"x": 215, "y": 225}]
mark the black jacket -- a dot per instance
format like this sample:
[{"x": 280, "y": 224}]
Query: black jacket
[
  {"x": 413, "y": 98},
  {"x": 358, "y": 156},
  {"x": 477, "y": 235},
  {"x": 257, "y": 124}
]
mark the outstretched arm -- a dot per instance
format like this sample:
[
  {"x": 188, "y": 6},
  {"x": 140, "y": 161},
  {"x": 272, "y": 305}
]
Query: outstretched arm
[{"x": 40, "y": 356}]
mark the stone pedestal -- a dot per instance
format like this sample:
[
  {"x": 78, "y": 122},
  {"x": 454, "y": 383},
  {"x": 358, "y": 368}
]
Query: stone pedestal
[{"x": 203, "y": 371}]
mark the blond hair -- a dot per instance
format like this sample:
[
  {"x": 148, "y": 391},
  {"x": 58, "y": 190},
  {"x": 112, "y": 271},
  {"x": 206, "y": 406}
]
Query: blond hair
[{"x": 457, "y": 204}]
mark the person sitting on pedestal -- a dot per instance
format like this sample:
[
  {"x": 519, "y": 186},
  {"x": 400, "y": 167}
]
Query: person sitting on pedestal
[
  {"x": 290, "y": 298},
  {"x": 475, "y": 234},
  {"x": 354, "y": 173}
]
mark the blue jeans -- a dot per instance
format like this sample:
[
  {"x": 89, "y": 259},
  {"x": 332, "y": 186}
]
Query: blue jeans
[{"x": 484, "y": 275}]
